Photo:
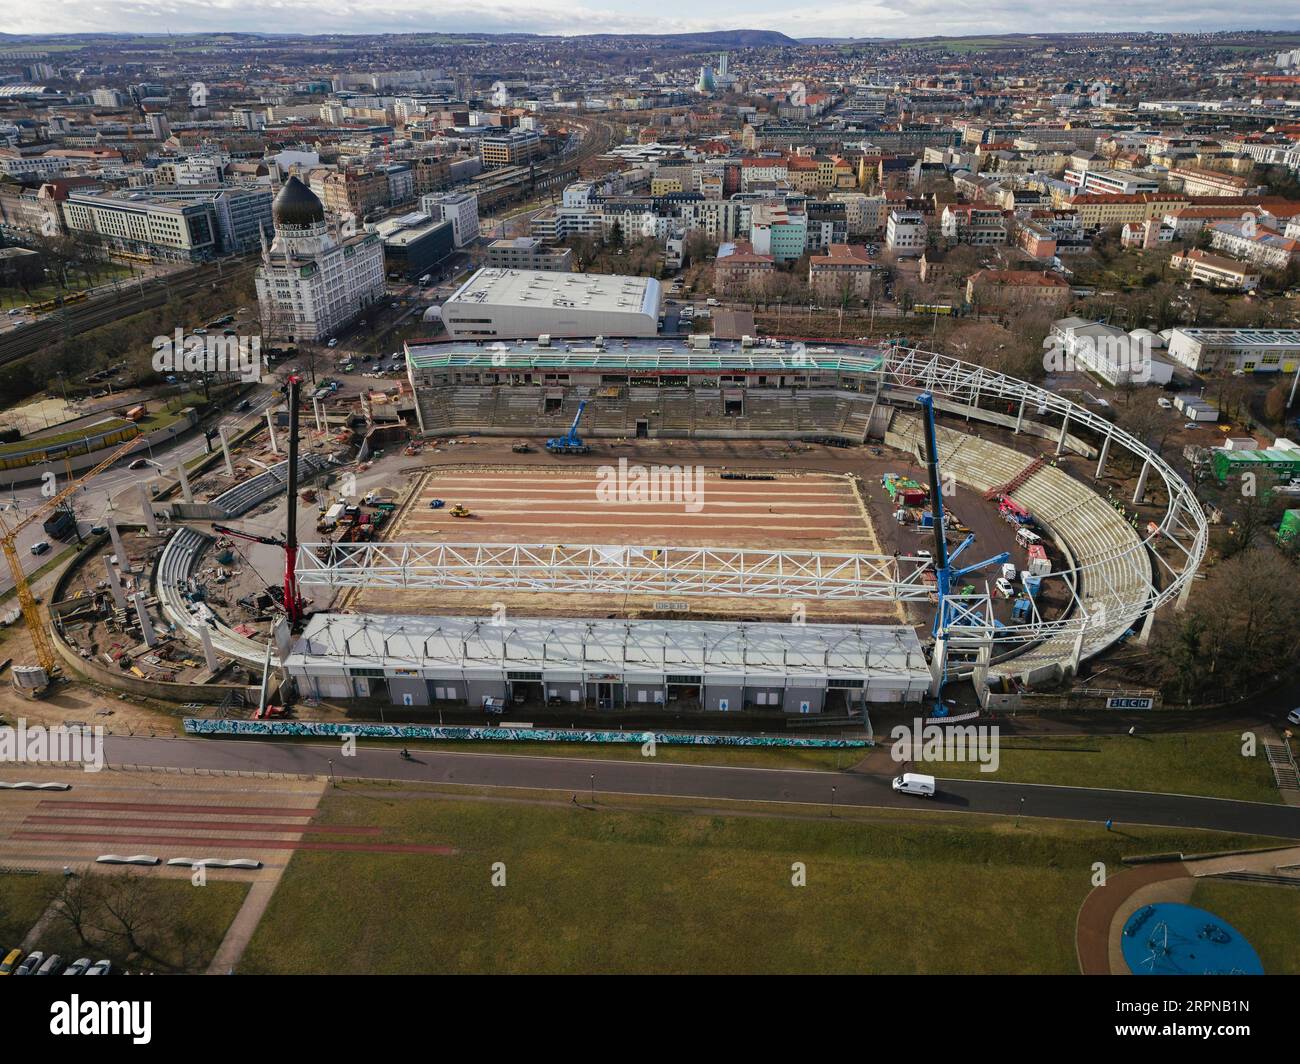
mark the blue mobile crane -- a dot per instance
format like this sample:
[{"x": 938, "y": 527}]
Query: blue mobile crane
[
  {"x": 570, "y": 442},
  {"x": 953, "y": 611}
]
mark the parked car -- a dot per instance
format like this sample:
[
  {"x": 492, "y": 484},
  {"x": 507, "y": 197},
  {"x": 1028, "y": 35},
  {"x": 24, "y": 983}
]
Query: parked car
[
  {"x": 243, "y": 404},
  {"x": 333, "y": 342},
  {"x": 40, "y": 547},
  {"x": 1004, "y": 587},
  {"x": 1294, "y": 716},
  {"x": 1164, "y": 403},
  {"x": 28, "y": 967},
  {"x": 51, "y": 966},
  {"x": 139, "y": 463},
  {"x": 77, "y": 967},
  {"x": 10, "y": 961},
  {"x": 101, "y": 967},
  {"x": 98, "y": 530}
]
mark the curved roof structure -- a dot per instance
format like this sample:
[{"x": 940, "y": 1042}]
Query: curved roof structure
[{"x": 297, "y": 205}]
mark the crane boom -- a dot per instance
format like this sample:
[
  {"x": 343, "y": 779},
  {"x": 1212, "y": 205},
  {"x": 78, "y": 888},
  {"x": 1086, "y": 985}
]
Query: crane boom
[{"x": 8, "y": 541}]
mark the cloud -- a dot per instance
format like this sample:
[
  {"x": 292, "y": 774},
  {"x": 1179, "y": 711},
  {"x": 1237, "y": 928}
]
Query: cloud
[{"x": 876, "y": 18}]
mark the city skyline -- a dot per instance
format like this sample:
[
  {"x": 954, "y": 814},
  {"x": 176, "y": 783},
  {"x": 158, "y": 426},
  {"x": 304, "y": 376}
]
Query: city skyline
[{"x": 887, "y": 19}]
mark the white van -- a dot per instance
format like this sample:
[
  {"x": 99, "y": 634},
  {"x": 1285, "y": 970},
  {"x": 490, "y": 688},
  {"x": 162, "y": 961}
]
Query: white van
[
  {"x": 1027, "y": 538},
  {"x": 914, "y": 783}
]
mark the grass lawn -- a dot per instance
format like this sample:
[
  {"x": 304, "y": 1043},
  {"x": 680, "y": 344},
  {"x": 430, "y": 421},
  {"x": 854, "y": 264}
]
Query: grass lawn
[
  {"x": 178, "y": 926},
  {"x": 660, "y": 886},
  {"x": 22, "y": 900},
  {"x": 1202, "y": 763},
  {"x": 745, "y": 756},
  {"x": 1266, "y": 915}
]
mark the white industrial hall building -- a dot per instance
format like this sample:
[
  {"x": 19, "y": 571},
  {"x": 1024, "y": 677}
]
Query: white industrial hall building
[
  {"x": 423, "y": 660},
  {"x": 503, "y": 304}
]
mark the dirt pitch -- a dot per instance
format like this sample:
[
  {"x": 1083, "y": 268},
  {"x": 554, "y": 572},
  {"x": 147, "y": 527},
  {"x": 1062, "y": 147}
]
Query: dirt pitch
[{"x": 638, "y": 505}]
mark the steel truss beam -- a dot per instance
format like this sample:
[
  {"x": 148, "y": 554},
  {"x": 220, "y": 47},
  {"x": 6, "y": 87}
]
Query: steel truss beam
[{"x": 624, "y": 570}]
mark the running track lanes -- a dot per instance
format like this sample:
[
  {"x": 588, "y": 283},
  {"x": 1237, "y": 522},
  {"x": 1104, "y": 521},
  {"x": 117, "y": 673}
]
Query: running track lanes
[{"x": 706, "y": 782}]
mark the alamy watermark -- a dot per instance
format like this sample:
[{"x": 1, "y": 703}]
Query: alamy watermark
[
  {"x": 184, "y": 352},
  {"x": 920, "y": 742},
  {"x": 60, "y": 743},
  {"x": 638, "y": 484},
  {"x": 1115, "y": 356}
]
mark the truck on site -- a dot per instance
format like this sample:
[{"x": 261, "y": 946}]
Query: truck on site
[{"x": 330, "y": 518}]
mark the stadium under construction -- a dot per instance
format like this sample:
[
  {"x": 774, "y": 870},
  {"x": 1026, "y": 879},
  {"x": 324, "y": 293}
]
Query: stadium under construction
[{"x": 799, "y": 585}]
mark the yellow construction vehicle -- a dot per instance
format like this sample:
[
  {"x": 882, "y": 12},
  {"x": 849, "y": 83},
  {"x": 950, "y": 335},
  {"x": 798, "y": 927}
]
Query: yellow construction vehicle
[
  {"x": 8, "y": 541},
  {"x": 460, "y": 511}
]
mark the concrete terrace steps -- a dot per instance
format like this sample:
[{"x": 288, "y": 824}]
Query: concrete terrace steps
[
  {"x": 172, "y": 579},
  {"x": 1117, "y": 570},
  {"x": 256, "y": 490}
]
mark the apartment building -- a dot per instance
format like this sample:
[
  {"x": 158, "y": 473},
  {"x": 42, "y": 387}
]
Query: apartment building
[
  {"x": 740, "y": 271},
  {"x": 1257, "y": 244},
  {"x": 965, "y": 223},
  {"x": 355, "y": 192},
  {"x": 1217, "y": 271},
  {"x": 778, "y": 230},
  {"x": 846, "y": 270},
  {"x": 1005, "y": 289},
  {"x": 1198, "y": 181},
  {"x": 906, "y": 233},
  {"x": 865, "y": 215}
]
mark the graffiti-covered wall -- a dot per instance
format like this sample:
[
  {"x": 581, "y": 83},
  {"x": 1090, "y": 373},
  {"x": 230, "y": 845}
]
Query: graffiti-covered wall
[{"x": 329, "y": 730}]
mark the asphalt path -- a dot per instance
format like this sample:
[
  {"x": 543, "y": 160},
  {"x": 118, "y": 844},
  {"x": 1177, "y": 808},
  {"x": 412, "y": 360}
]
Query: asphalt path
[{"x": 707, "y": 782}]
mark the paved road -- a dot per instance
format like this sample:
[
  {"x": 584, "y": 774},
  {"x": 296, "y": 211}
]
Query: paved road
[{"x": 708, "y": 782}]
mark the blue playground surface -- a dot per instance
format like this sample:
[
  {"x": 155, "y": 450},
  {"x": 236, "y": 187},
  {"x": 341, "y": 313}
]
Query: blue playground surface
[{"x": 1173, "y": 939}]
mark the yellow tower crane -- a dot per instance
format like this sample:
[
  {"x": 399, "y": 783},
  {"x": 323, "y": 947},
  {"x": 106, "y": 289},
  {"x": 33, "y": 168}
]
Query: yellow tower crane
[{"x": 8, "y": 541}]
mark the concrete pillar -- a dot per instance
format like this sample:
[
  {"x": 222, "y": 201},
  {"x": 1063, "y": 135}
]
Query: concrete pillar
[
  {"x": 1101, "y": 461},
  {"x": 270, "y": 427},
  {"x": 1141, "y": 489},
  {"x": 209, "y": 654},
  {"x": 1186, "y": 592},
  {"x": 938, "y": 665},
  {"x": 225, "y": 451},
  {"x": 146, "y": 507},
  {"x": 283, "y": 639},
  {"x": 1065, "y": 428},
  {"x": 1148, "y": 622},
  {"x": 123, "y": 562},
  {"x": 186, "y": 493},
  {"x": 1076, "y": 656},
  {"x": 146, "y": 625},
  {"x": 318, "y": 413},
  {"x": 1020, "y": 414},
  {"x": 115, "y": 585}
]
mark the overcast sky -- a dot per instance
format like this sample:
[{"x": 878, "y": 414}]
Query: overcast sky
[{"x": 870, "y": 18}]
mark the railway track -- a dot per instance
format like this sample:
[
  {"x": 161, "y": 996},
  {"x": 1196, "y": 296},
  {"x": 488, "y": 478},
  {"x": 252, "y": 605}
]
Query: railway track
[{"x": 105, "y": 309}]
